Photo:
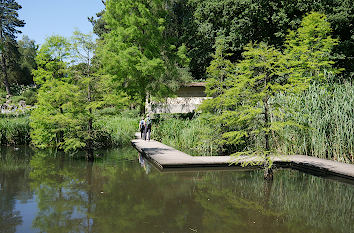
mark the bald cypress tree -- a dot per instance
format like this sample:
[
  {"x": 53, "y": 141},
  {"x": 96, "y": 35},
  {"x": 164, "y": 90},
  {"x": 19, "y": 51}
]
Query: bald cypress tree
[{"x": 9, "y": 22}]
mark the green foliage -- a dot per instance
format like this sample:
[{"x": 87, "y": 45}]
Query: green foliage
[
  {"x": 14, "y": 131},
  {"x": 60, "y": 117},
  {"x": 308, "y": 50},
  {"x": 243, "y": 103},
  {"x": 249, "y": 86},
  {"x": 241, "y": 21},
  {"x": 16, "y": 99},
  {"x": 135, "y": 51},
  {"x": 9, "y": 22},
  {"x": 98, "y": 23},
  {"x": 52, "y": 60},
  {"x": 28, "y": 50},
  {"x": 196, "y": 136},
  {"x": 119, "y": 130},
  {"x": 30, "y": 95},
  {"x": 327, "y": 114},
  {"x": 70, "y": 93}
]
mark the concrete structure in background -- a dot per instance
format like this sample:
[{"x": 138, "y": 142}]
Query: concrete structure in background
[{"x": 187, "y": 99}]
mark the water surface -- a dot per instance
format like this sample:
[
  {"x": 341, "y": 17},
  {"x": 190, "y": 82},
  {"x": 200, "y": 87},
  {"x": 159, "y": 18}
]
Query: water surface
[{"x": 123, "y": 193}]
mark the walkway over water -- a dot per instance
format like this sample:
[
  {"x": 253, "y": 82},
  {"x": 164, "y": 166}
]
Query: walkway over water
[{"x": 166, "y": 157}]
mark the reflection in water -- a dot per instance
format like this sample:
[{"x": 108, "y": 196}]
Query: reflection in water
[
  {"x": 14, "y": 187},
  {"x": 116, "y": 195},
  {"x": 144, "y": 163}
]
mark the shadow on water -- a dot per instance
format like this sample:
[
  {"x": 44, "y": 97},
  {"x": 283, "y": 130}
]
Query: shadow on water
[{"x": 122, "y": 192}]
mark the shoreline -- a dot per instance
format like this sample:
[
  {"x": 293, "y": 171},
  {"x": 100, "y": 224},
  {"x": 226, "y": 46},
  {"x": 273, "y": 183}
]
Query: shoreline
[{"x": 166, "y": 158}]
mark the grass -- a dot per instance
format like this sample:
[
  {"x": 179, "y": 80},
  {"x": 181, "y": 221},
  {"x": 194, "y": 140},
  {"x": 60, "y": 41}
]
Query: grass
[
  {"x": 116, "y": 130},
  {"x": 14, "y": 131},
  {"x": 193, "y": 136},
  {"x": 111, "y": 129},
  {"x": 328, "y": 117}
]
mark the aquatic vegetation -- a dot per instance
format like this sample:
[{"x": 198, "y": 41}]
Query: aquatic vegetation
[
  {"x": 14, "y": 131},
  {"x": 115, "y": 130},
  {"x": 328, "y": 117},
  {"x": 195, "y": 136}
]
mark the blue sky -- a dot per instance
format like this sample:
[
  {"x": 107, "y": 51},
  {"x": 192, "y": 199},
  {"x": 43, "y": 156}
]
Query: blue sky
[{"x": 44, "y": 18}]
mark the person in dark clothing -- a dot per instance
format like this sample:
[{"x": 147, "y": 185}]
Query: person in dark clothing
[
  {"x": 147, "y": 128},
  {"x": 142, "y": 128}
]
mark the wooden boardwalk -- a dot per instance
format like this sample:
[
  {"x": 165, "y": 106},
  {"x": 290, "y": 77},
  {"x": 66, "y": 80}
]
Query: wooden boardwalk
[{"x": 166, "y": 157}]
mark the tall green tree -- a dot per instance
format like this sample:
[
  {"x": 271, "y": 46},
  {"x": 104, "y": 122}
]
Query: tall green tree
[
  {"x": 245, "y": 107},
  {"x": 60, "y": 119},
  {"x": 70, "y": 92},
  {"x": 98, "y": 23},
  {"x": 28, "y": 50},
  {"x": 309, "y": 50},
  {"x": 244, "y": 93},
  {"x": 240, "y": 21},
  {"x": 137, "y": 53},
  {"x": 9, "y": 22}
]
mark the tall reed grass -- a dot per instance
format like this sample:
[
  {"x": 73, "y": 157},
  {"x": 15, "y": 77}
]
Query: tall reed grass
[
  {"x": 115, "y": 130},
  {"x": 195, "y": 136},
  {"x": 327, "y": 115},
  {"x": 14, "y": 131}
]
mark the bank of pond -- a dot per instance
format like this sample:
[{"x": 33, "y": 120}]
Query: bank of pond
[
  {"x": 122, "y": 192},
  {"x": 323, "y": 117}
]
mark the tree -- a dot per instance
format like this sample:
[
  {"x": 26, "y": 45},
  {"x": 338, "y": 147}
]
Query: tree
[
  {"x": 99, "y": 25},
  {"x": 245, "y": 106},
  {"x": 12, "y": 63},
  {"x": 28, "y": 50},
  {"x": 9, "y": 22},
  {"x": 240, "y": 21},
  {"x": 182, "y": 28},
  {"x": 52, "y": 60},
  {"x": 309, "y": 50},
  {"x": 244, "y": 93},
  {"x": 136, "y": 52},
  {"x": 60, "y": 118},
  {"x": 70, "y": 92}
]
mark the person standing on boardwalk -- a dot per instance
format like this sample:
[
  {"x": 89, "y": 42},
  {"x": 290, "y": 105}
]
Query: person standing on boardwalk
[
  {"x": 142, "y": 128},
  {"x": 147, "y": 128}
]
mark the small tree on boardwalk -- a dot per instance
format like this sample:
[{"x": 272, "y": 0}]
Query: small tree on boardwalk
[
  {"x": 244, "y": 93},
  {"x": 246, "y": 101}
]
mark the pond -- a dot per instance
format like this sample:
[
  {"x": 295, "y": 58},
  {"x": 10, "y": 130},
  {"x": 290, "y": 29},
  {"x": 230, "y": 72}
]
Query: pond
[{"x": 122, "y": 192}]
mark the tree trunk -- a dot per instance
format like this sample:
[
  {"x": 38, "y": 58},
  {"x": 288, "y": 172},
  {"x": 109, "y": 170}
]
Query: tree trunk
[
  {"x": 4, "y": 71},
  {"x": 90, "y": 155},
  {"x": 268, "y": 172},
  {"x": 90, "y": 120}
]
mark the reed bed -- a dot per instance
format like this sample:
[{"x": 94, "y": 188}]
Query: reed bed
[
  {"x": 195, "y": 136},
  {"x": 14, "y": 131},
  {"x": 115, "y": 130},
  {"x": 325, "y": 126},
  {"x": 327, "y": 119}
]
